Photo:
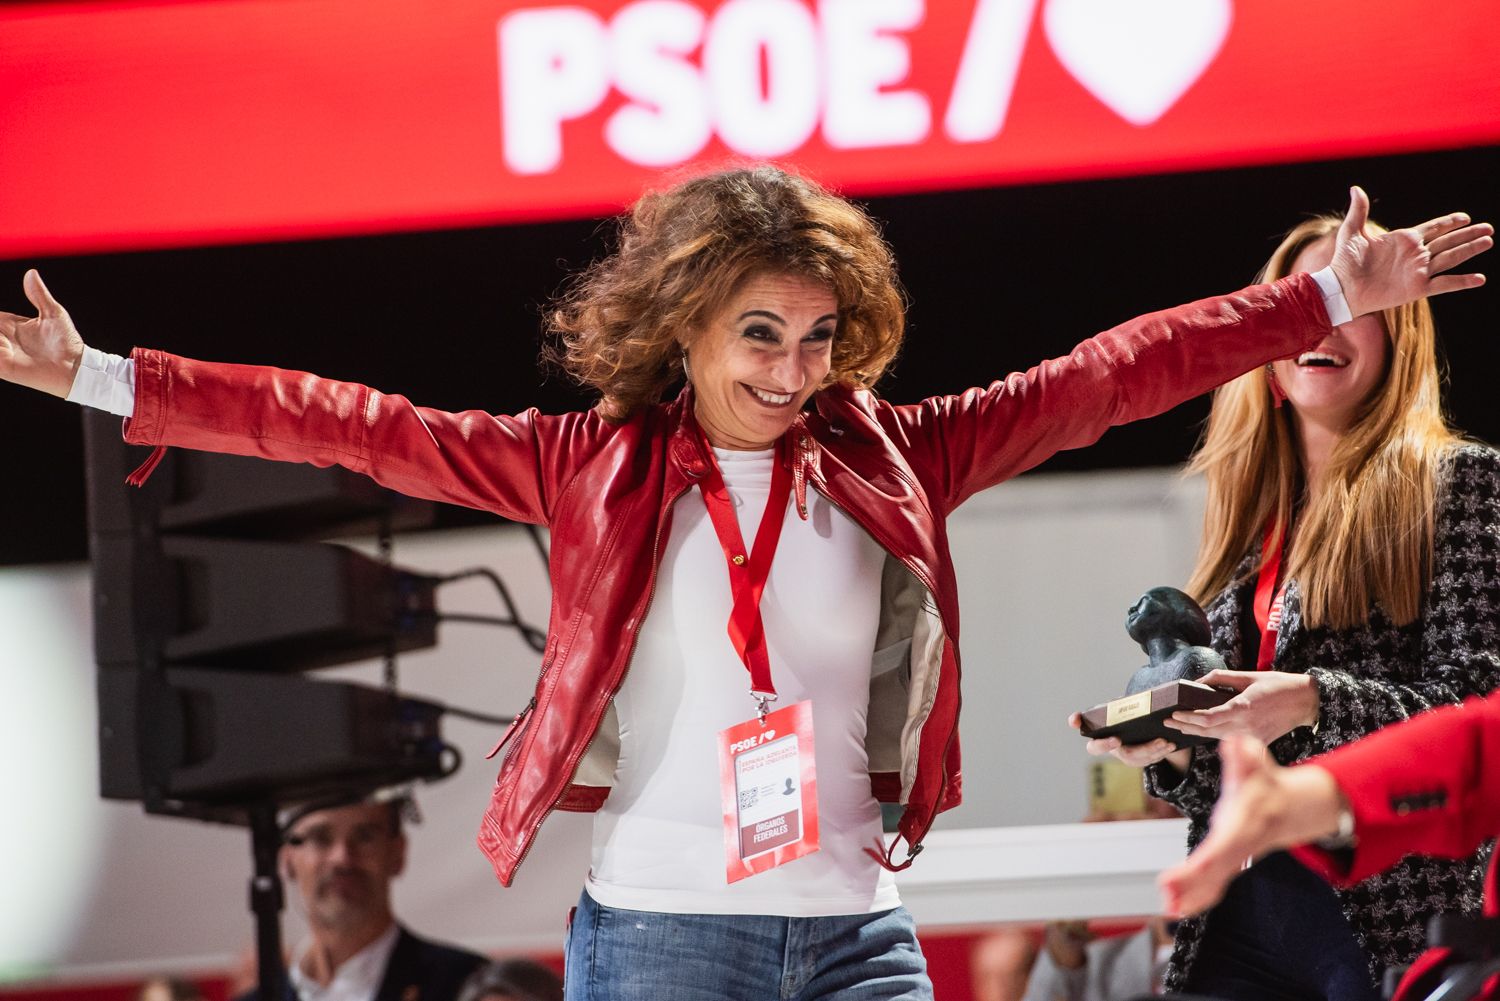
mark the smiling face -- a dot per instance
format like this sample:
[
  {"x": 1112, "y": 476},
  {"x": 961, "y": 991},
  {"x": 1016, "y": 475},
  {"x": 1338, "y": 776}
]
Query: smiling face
[
  {"x": 1328, "y": 384},
  {"x": 760, "y": 357}
]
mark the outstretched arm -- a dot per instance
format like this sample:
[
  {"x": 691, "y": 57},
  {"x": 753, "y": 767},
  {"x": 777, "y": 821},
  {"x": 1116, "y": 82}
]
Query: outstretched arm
[
  {"x": 513, "y": 466},
  {"x": 1146, "y": 366}
]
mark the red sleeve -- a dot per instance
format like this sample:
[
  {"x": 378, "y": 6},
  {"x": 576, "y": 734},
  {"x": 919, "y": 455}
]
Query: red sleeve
[
  {"x": 513, "y": 466},
  {"x": 1139, "y": 369},
  {"x": 1428, "y": 786}
]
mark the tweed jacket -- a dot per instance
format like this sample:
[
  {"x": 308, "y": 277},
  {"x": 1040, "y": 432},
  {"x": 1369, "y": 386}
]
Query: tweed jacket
[{"x": 1368, "y": 677}]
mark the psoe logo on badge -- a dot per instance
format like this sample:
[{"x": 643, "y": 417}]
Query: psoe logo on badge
[{"x": 764, "y": 737}]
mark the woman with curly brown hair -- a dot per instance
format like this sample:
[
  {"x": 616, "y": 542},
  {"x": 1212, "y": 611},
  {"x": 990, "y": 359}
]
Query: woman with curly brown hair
[
  {"x": 760, "y": 559},
  {"x": 623, "y": 327}
]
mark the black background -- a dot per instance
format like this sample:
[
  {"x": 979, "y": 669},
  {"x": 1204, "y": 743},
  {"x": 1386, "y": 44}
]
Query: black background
[{"x": 997, "y": 279}]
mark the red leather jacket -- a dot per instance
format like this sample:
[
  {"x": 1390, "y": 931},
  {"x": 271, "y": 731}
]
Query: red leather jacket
[{"x": 606, "y": 490}]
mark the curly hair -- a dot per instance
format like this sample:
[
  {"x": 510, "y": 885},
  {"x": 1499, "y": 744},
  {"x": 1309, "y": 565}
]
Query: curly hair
[{"x": 684, "y": 251}]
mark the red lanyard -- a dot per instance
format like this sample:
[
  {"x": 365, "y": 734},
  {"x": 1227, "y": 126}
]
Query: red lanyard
[
  {"x": 1268, "y": 597},
  {"x": 748, "y": 571}
]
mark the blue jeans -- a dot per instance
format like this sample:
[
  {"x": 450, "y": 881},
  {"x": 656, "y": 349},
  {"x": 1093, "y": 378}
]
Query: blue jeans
[{"x": 620, "y": 955}]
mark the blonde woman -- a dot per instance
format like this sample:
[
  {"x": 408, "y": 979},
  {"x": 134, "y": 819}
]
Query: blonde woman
[{"x": 1350, "y": 568}]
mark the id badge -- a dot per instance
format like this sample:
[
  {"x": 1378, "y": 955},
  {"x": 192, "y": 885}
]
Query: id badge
[{"x": 769, "y": 789}]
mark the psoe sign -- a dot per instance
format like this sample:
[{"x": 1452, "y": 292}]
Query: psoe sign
[
  {"x": 765, "y": 76},
  {"x": 149, "y": 123}
]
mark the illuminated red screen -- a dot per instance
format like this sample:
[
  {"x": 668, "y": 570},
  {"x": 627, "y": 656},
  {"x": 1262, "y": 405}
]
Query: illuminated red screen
[{"x": 134, "y": 124}]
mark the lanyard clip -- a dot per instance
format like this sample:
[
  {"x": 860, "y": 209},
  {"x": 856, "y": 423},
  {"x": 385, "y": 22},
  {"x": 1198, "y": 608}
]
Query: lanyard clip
[{"x": 762, "y": 702}]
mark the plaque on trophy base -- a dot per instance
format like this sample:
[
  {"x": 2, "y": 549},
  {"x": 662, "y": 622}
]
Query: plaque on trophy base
[{"x": 1137, "y": 719}]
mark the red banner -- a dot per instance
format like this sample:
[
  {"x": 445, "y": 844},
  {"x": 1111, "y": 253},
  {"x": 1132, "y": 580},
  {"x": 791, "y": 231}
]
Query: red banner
[{"x": 135, "y": 124}]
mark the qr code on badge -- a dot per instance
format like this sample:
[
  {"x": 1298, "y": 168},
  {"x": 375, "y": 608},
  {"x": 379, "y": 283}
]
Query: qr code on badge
[{"x": 748, "y": 798}]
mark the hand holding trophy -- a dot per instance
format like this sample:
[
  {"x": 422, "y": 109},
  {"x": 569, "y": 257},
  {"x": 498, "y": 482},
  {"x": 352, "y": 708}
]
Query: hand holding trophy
[{"x": 1173, "y": 631}]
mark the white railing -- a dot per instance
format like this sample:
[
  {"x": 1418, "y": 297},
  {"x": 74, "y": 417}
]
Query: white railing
[{"x": 987, "y": 875}]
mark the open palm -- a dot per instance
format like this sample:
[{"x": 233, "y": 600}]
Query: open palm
[
  {"x": 40, "y": 351},
  {"x": 1378, "y": 271}
]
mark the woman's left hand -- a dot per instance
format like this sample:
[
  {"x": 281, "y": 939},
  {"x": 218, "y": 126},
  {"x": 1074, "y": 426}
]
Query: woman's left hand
[
  {"x": 1269, "y": 704},
  {"x": 1378, "y": 271}
]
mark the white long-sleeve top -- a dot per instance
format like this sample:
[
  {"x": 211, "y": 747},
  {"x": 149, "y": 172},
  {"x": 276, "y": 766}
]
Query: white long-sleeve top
[{"x": 659, "y": 838}]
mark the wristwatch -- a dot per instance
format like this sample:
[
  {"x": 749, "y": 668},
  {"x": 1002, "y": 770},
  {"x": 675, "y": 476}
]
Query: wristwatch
[{"x": 1343, "y": 837}]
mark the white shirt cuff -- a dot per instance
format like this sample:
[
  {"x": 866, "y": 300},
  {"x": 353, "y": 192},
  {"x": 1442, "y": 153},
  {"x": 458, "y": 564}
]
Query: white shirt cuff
[
  {"x": 105, "y": 382},
  {"x": 1333, "y": 296}
]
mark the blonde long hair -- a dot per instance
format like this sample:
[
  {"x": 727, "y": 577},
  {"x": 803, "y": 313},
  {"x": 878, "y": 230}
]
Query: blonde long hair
[{"x": 1365, "y": 536}]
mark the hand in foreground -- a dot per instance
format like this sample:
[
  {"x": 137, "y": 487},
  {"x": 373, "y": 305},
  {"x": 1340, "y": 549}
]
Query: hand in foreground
[
  {"x": 1269, "y": 704},
  {"x": 41, "y": 352},
  {"x": 1262, "y": 807},
  {"x": 1135, "y": 755},
  {"x": 1378, "y": 271}
]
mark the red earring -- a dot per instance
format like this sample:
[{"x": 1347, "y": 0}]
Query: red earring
[{"x": 1278, "y": 395}]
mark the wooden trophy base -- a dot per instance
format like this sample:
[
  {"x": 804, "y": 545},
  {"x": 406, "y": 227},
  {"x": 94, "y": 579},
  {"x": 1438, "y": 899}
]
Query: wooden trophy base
[{"x": 1137, "y": 719}]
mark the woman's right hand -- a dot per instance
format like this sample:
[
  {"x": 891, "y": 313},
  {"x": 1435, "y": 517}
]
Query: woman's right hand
[
  {"x": 1262, "y": 807},
  {"x": 41, "y": 352},
  {"x": 1135, "y": 755}
]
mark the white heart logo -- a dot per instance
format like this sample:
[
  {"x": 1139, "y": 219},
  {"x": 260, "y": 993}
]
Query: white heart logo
[{"x": 1137, "y": 56}]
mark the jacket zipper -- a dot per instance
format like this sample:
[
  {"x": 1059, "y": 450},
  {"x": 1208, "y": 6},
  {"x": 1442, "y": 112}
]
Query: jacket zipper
[
  {"x": 646, "y": 608},
  {"x": 516, "y": 726},
  {"x": 922, "y": 578}
]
